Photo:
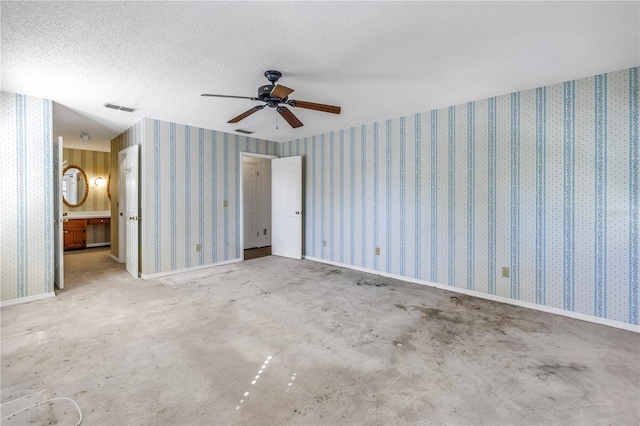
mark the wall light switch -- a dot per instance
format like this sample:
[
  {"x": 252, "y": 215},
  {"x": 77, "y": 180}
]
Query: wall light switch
[
  {"x": 197, "y": 247},
  {"x": 265, "y": 231},
  {"x": 377, "y": 251},
  {"x": 505, "y": 272},
  {"x": 225, "y": 203}
]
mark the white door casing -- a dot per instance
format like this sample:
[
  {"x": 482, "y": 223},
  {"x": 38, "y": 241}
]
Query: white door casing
[
  {"x": 286, "y": 178},
  {"x": 122, "y": 202},
  {"x": 58, "y": 235},
  {"x": 251, "y": 189},
  {"x": 132, "y": 209},
  {"x": 266, "y": 192}
]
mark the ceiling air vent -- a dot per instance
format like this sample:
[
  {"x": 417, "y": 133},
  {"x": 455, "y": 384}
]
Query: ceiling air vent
[
  {"x": 246, "y": 132},
  {"x": 121, "y": 108}
]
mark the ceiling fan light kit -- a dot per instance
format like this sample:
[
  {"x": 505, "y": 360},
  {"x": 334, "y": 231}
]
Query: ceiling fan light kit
[{"x": 274, "y": 96}]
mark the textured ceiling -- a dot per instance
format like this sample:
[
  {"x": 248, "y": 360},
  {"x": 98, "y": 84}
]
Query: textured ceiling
[{"x": 377, "y": 60}]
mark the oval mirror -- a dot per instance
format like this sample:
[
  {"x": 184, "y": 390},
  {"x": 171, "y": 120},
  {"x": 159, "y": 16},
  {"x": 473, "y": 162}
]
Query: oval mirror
[
  {"x": 109, "y": 187},
  {"x": 74, "y": 186}
]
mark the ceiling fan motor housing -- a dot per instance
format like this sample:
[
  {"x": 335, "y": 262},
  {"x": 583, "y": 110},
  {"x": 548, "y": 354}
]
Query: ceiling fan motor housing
[{"x": 264, "y": 92}]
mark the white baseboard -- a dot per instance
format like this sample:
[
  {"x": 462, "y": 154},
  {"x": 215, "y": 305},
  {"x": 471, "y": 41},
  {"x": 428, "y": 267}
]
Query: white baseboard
[
  {"x": 193, "y": 268},
  {"x": 98, "y": 244},
  {"x": 117, "y": 259},
  {"x": 492, "y": 297},
  {"x": 27, "y": 299}
]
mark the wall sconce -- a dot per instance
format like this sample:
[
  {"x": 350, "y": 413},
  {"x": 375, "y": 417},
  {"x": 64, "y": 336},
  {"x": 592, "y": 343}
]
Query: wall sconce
[{"x": 99, "y": 182}]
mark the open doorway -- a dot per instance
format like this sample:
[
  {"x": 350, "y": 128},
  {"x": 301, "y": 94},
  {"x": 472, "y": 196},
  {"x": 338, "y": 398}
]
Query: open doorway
[
  {"x": 255, "y": 205},
  {"x": 82, "y": 191}
]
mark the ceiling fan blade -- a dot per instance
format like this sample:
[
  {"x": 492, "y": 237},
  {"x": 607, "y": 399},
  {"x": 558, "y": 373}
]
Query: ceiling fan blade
[
  {"x": 288, "y": 115},
  {"x": 230, "y": 96},
  {"x": 281, "y": 91},
  {"x": 246, "y": 114},
  {"x": 318, "y": 107}
]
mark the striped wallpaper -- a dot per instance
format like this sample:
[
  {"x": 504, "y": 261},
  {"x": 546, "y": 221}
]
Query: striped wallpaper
[
  {"x": 26, "y": 164},
  {"x": 187, "y": 175},
  {"x": 543, "y": 182},
  {"x": 94, "y": 164}
]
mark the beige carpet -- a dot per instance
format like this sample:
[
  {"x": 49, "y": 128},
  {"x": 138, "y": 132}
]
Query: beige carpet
[{"x": 280, "y": 341}]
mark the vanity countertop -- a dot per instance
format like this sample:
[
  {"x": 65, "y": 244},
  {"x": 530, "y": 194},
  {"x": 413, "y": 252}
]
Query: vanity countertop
[{"x": 89, "y": 215}]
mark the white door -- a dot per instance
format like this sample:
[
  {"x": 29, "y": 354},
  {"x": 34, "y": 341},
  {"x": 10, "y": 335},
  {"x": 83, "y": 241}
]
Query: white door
[
  {"x": 286, "y": 178},
  {"x": 131, "y": 209},
  {"x": 58, "y": 236},
  {"x": 251, "y": 194}
]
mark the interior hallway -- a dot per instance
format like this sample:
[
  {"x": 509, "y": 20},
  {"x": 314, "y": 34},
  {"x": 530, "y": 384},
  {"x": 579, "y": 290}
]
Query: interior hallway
[{"x": 343, "y": 347}]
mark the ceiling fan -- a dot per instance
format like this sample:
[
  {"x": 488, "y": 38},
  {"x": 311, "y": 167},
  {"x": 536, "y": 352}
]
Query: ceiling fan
[{"x": 274, "y": 95}]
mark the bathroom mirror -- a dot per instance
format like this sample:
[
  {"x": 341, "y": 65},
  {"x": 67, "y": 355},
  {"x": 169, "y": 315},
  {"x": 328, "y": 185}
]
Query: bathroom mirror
[
  {"x": 75, "y": 186},
  {"x": 109, "y": 187}
]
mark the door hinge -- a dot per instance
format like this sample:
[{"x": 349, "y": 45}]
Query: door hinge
[{"x": 257, "y": 173}]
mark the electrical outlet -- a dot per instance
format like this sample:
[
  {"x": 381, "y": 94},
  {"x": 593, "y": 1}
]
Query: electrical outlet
[
  {"x": 377, "y": 251},
  {"x": 225, "y": 203},
  {"x": 197, "y": 247},
  {"x": 505, "y": 272},
  {"x": 324, "y": 243}
]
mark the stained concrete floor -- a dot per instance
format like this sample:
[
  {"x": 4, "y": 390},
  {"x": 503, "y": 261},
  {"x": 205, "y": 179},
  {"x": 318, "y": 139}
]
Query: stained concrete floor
[{"x": 343, "y": 347}]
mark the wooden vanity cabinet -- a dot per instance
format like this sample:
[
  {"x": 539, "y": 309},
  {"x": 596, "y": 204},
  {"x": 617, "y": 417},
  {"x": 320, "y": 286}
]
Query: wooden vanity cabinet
[{"x": 75, "y": 233}]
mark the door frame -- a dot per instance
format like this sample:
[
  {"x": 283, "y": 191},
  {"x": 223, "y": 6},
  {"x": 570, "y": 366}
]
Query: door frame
[
  {"x": 122, "y": 176},
  {"x": 58, "y": 219},
  {"x": 241, "y": 216}
]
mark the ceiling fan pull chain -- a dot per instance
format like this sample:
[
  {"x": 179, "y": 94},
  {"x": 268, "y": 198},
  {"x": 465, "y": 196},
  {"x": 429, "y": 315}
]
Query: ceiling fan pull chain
[{"x": 276, "y": 121}]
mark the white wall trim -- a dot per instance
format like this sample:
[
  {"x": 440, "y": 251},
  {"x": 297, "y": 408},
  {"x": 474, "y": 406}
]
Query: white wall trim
[
  {"x": 193, "y": 268},
  {"x": 27, "y": 299},
  {"x": 89, "y": 245},
  {"x": 255, "y": 154},
  {"x": 492, "y": 297},
  {"x": 117, "y": 259}
]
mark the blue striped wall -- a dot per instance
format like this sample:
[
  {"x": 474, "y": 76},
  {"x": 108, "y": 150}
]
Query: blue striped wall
[
  {"x": 187, "y": 174},
  {"x": 544, "y": 182},
  {"x": 26, "y": 242}
]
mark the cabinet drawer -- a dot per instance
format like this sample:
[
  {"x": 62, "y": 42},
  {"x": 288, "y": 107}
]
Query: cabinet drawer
[
  {"x": 73, "y": 224},
  {"x": 102, "y": 221}
]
